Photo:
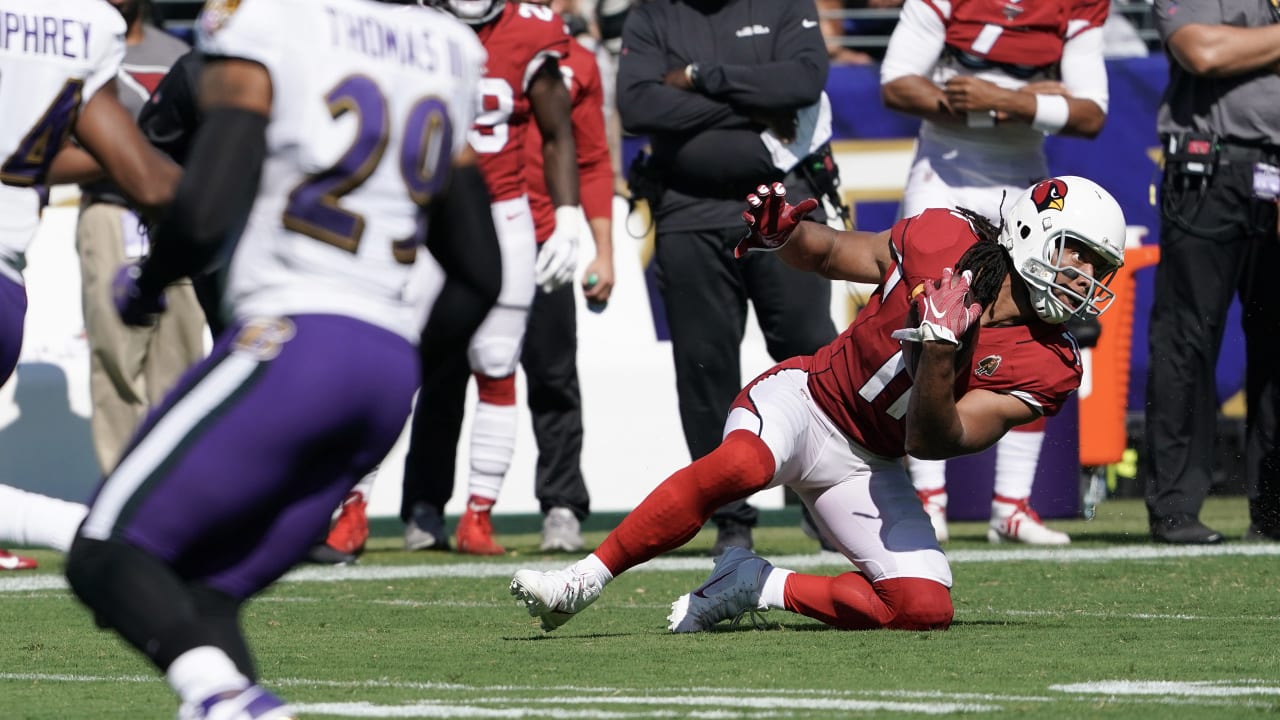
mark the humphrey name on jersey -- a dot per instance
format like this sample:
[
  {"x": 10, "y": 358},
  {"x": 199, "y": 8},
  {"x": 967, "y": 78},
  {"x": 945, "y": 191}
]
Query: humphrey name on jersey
[
  {"x": 372, "y": 37},
  {"x": 44, "y": 35}
]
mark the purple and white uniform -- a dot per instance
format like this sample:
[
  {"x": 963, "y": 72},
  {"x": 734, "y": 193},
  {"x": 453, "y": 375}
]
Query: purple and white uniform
[
  {"x": 235, "y": 475},
  {"x": 54, "y": 55}
]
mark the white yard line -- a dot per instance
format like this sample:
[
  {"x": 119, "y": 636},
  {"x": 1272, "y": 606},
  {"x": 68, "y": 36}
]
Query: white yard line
[{"x": 24, "y": 582}]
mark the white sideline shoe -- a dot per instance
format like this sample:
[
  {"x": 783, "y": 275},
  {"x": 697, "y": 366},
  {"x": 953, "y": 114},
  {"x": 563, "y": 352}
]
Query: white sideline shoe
[
  {"x": 554, "y": 597},
  {"x": 1017, "y": 522},
  {"x": 561, "y": 531},
  {"x": 935, "y": 506},
  {"x": 732, "y": 590}
]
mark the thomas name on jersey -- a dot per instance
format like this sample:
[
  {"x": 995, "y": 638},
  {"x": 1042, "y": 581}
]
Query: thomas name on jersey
[
  {"x": 44, "y": 35},
  {"x": 372, "y": 37}
]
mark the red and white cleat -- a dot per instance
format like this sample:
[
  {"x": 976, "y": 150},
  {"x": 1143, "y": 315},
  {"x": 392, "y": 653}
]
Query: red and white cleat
[
  {"x": 351, "y": 530},
  {"x": 9, "y": 561},
  {"x": 475, "y": 534},
  {"x": 1013, "y": 520}
]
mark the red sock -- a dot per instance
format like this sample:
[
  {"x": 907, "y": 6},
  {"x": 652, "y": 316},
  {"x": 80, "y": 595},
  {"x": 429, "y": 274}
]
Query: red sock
[
  {"x": 674, "y": 512},
  {"x": 850, "y": 602}
]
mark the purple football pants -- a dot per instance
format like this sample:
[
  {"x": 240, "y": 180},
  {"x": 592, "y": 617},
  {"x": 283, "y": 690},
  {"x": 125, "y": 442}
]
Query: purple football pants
[
  {"x": 234, "y": 477},
  {"x": 13, "y": 313}
]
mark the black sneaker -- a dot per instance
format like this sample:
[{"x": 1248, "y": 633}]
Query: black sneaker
[
  {"x": 1183, "y": 530},
  {"x": 731, "y": 534},
  {"x": 425, "y": 530},
  {"x": 325, "y": 554}
]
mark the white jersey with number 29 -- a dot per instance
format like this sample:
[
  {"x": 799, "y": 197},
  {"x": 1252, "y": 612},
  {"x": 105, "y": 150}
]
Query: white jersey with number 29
[{"x": 370, "y": 103}]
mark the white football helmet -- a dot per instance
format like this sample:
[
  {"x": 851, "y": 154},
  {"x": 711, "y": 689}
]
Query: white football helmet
[
  {"x": 471, "y": 12},
  {"x": 1036, "y": 230}
]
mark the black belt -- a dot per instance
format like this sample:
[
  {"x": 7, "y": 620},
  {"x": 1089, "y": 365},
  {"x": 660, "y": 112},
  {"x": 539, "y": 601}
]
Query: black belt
[{"x": 1256, "y": 147}]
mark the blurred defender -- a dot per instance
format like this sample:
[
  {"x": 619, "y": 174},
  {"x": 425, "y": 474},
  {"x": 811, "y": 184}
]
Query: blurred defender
[
  {"x": 324, "y": 144},
  {"x": 53, "y": 85}
]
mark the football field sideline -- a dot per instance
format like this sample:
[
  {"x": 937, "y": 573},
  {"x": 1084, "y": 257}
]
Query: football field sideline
[{"x": 20, "y": 583}]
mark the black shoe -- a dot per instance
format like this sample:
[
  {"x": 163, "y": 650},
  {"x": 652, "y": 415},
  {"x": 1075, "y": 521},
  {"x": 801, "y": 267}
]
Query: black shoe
[
  {"x": 425, "y": 530},
  {"x": 323, "y": 554},
  {"x": 1257, "y": 534},
  {"x": 1183, "y": 530},
  {"x": 731, "y": 534}
]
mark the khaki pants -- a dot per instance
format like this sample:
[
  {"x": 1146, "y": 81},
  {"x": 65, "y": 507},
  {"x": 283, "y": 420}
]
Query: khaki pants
[{"x": 130, "y": 369}]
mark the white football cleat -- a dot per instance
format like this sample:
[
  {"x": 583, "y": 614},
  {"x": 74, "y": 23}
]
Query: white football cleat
[
  {"x": 1015, "y": 521},
  {"x": 731, "y": 591},
  {"x": 554, "y": 597},
  {"x": 935, "y": 505}
]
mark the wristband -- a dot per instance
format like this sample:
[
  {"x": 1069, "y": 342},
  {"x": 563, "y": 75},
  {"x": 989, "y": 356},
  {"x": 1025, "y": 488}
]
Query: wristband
[
  {"x": 1052, "y": 112},
  {"x": 568, "y": 216}
]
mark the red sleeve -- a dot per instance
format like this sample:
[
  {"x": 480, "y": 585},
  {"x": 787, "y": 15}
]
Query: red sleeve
[
  {"x": 1086, "y": 14},
  {"x": 595, "y": 168},
  {"x": 925, "y": 244}
]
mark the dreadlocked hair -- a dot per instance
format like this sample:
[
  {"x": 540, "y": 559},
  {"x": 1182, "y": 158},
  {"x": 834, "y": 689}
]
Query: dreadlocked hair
[{"x": 986, "y": 259}]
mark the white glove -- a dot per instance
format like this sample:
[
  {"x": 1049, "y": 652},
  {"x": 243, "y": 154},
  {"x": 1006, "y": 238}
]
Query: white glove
[{"x": 558, "y": 256}]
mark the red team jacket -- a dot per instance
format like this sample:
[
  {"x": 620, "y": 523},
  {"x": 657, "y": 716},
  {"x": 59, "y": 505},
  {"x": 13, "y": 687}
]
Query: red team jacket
[
  {"x": 518, "y": 42},
  {"x": 860, "y": 380},
  {"x": 1014, "y": 32},
  {"x": 595, "y": 173}
]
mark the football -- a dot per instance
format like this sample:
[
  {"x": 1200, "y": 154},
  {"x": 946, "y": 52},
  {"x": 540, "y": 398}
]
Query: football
[{"x": 964, "y": 358}]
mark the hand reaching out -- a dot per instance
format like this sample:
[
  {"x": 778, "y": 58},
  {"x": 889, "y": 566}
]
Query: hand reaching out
[{"x": 770, "y": 219}]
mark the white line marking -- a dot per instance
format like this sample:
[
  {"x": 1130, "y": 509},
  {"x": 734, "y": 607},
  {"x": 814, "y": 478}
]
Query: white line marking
[
  {"x": 351, "y": 573},
  {"x": 1204, "y": 688}
]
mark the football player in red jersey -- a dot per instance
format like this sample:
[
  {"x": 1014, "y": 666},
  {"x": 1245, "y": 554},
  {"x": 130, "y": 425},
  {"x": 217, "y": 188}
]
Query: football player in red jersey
[
  {"x": 834, "y": 426},
  {"x": 522, "y": 84},
  {"x": 990, "y": 78},
  {"x": 549, "y": 357}
]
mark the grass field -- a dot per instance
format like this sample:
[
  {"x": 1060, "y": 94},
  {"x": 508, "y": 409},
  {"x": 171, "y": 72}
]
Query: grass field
[{"x": 1112, "y": 627}]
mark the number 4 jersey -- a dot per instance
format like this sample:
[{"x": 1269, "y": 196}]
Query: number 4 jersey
[
  {"x": 370, "y": 103},
  {"x": 54, "y": 55},
  {"x": 861, "y": 381}
]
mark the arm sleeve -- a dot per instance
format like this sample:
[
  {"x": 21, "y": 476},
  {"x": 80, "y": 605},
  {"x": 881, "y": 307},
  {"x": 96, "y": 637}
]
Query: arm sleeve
[
  {"x": 595, "y": 171},
  {"x": 794, "y": 77},
  {"x": 916, "y": 42},
  {"x": 1084, "y": 67},
  {"x": 249, "y": 32},
  {"x": 645, "y": 104},
  {"x": 169, "y": 119},
  {"x": 212, "y": 200},
  {"x": 1172, "y": 15}
]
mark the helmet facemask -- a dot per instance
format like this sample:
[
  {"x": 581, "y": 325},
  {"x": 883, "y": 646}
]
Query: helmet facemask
[{"x": 1057, "y": 302}]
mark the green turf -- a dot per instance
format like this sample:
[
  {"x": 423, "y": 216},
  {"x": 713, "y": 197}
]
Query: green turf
[{"x": 1106, "y": 630}]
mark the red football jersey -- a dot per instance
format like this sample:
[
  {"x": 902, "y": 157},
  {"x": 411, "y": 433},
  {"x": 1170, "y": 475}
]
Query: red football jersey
[
  {"x": 1018, "y": 32},
  {"x": 595, "y": 171},
  {"x": 519, "y": 41},
  {"x": 860, "y": 380}
]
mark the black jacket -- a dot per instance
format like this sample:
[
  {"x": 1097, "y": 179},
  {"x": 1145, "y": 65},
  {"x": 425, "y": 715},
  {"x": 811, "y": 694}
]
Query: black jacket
[{"x": 754, "y": 57}]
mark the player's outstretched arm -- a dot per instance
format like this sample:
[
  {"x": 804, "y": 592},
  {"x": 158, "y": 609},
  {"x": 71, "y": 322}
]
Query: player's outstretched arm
[
  {"x": 107, "y": 130},
  {"x": 775, "y": 226}
]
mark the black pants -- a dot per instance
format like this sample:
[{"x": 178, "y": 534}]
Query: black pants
[
  {"x": 1216, "y": 240},
  {"x": 706, "y": 290},
  {"x": 550, "y": 362}
]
